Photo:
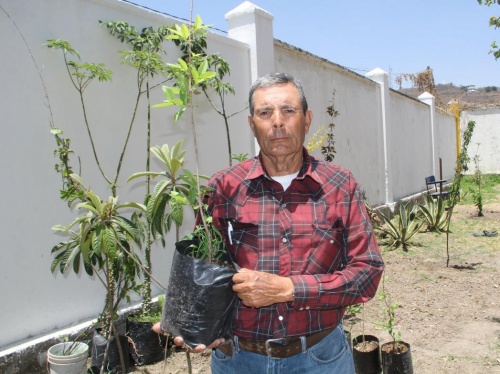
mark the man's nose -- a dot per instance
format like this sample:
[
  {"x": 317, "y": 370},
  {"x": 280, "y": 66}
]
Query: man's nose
[{"x": 278, "y": 118}]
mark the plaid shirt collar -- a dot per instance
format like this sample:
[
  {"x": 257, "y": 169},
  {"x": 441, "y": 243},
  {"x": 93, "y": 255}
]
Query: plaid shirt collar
[{"x": 257, "y": 170}]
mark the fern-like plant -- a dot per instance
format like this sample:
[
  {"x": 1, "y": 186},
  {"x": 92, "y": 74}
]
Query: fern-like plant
[{"x": 399, "y": 230}]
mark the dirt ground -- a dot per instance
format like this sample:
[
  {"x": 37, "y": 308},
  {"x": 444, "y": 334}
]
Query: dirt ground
[{"x": 450, "y": 316}]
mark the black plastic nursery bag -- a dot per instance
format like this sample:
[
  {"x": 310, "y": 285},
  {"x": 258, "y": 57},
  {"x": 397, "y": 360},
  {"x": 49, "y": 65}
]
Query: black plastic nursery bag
[{"x": 199, "y": 300}]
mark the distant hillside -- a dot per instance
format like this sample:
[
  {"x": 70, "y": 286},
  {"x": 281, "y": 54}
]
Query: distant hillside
[{"x": 484, "y": 97}]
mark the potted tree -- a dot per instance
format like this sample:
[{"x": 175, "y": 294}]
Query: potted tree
[
  {"x": 396, "y": 354},
  {"x": 145, "y": 56},
  {"x": 196, "y": 269},
  {"x": 164, "y": 212},
  {"x": 199, "y": 269},
  {"x": 102, "y": 240}
]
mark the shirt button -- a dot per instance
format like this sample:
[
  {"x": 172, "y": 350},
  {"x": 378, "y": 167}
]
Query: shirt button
[
  {"x": 284, "y": 240},
  {"x": 307, "y": 308},
  {"x": 283, "y": 206},
  {"x": 331, "y": 241},
  {"x": 280, "y": 318},
  {"x": 301, "y": 308}
]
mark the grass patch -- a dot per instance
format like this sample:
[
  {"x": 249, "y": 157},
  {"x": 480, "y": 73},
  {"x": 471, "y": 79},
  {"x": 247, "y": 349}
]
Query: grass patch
[
  {"x": 464, "y": 224},
  {"x": 490, "y": 187}
]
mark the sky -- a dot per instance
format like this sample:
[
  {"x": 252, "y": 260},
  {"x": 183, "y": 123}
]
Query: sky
[{"x": 453, "y": 37}]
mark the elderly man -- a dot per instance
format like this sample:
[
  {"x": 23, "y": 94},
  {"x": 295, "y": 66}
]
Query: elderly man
[{"x": 299, "y": 230}]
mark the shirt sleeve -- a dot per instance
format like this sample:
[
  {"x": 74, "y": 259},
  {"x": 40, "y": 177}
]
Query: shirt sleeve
[{"x": 357, "y": 280}]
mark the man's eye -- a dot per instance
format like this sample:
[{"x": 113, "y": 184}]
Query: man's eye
[{"x": 264, "y": 113}]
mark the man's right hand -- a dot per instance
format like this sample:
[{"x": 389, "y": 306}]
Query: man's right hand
[{"x": 179, "y": 341}]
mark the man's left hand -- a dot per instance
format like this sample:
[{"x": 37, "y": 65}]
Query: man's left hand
[{"x": 257, "y": 289}]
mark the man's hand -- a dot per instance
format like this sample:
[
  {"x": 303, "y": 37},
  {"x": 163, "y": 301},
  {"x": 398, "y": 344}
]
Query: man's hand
[
  {"x": 257, "y": 289},
  {"x": 178, "y": 341}
]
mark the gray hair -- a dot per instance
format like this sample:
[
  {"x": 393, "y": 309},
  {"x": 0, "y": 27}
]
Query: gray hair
[{"x": 274, "y": 79}]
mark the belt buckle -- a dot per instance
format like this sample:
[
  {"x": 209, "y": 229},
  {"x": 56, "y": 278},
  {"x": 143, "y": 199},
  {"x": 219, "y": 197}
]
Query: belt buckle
[{"x": 281, "y": 341}]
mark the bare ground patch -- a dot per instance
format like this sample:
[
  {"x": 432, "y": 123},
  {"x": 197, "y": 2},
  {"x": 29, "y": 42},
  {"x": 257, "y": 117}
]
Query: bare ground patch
[{"x": 449, "y": 315}]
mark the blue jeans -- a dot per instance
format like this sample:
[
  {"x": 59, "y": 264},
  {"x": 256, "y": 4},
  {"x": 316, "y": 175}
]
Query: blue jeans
[{"x": 330, "y": 355}]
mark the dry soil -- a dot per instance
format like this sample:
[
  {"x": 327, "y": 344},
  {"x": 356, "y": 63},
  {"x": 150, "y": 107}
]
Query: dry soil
[{"x": 449, "y": 315}]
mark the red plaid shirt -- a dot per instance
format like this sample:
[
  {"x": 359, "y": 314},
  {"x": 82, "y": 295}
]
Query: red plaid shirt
[{"x": 317, "y": 232}]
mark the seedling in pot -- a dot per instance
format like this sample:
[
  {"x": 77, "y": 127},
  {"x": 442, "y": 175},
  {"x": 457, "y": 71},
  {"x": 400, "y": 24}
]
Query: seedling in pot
[{"x": 389, "y": 308}]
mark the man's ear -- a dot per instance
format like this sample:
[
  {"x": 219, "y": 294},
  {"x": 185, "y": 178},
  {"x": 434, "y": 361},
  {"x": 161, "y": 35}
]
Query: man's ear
[
  {"x": 309, "y": 118},
  {"x": 250, "y": 122}
]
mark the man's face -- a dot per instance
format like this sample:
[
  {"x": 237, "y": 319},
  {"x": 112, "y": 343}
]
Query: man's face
[{"x": 279, "y": 123}]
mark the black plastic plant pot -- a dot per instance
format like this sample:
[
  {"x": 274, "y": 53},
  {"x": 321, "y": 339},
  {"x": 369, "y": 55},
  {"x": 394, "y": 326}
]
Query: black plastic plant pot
[
  {"x": 112, "y": 364},
  {"x": 396, "y": 360},
  {"x": 199, "y": 300},
  {"x": 366, "y": 354},
  {"x": 148, "y": 347}
]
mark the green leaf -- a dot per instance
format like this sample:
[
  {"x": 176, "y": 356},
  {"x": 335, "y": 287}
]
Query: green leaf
[
  {"x": 184, "y": 32},
  {"x": 108, "y": 241},
  {"x": 183, "y": 65},
  {"x": 160, "y": 153},
  {"x": 194, "y": 75},
  {"x": 132, "y": 205},
  {"x": 177, "y": 211},
  {"x": 179, "y": 114},
  {"x": 151, "y": 174},
  {"x": 96, "y": 201},
  {"x": 85, "y": 249},
  {"x": 96, "y": 238},
  {"x": 197, "y": 22},
  {"x": 128, "y": 227}
]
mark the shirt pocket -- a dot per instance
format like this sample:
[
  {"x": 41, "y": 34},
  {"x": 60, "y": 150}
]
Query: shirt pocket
[
  {"x": 245, "y": 237},
  {"x": 327, "y": 248}
]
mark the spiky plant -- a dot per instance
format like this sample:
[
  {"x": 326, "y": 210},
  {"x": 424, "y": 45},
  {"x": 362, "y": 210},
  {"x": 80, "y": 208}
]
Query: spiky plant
[
  {"x": 399, "y": 230},
  {"x": 434, "y": 214}
]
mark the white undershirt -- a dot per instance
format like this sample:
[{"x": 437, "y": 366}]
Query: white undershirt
[{"x": 285, "y": 180}]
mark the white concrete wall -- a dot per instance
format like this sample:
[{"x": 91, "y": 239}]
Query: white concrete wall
[
  {"x": 485, "y": 140},
  {"x": 357, "y": 125},
  {"x": 411, "y": 144},
  {"x": 386, "y": 174},
  {"x": 382, "y": 136},
  {"x": 447, "y": 152}
]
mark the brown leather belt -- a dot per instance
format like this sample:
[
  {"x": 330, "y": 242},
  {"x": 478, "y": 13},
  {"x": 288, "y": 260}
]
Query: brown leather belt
[{"x": 290, "y": 346}]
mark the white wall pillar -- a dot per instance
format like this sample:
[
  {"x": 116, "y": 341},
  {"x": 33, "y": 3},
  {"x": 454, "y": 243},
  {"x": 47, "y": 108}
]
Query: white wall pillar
[
  {"x": 254, "y": 26},
  {"x": 382, "y": 78},
  {"x": 430, "y": 100}
]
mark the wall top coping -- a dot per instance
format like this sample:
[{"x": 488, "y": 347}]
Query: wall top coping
[
  {"x": 376, "y": 72},
  {"x": 246, "y": 8},
  {"x": 426, "y": 96},
  {"x": 340, "y": 68}
]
